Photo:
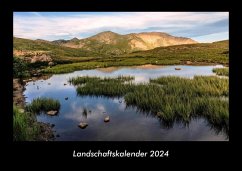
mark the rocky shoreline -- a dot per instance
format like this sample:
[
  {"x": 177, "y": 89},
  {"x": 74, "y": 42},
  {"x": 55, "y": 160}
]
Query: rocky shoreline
[{"x": 46, "y": 132}]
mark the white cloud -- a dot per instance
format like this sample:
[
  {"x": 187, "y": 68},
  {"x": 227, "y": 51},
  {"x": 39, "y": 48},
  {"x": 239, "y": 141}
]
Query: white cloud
[{"x": 35, "y": 25}]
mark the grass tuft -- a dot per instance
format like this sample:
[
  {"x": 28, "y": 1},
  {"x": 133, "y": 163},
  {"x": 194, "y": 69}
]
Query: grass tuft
[{"x": 43, "y": 105}]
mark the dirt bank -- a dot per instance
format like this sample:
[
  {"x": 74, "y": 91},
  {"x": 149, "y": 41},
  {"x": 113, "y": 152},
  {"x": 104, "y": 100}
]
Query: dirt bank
[{"x": 46, "y": 132}]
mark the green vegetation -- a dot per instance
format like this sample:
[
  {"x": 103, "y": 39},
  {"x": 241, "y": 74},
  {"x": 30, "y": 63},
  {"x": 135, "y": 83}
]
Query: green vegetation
[
  {"x": 170, "y": 98},
  {"x": 203, "y": 53},
  {"x": 103, "y": 86},
  {"x": 65, "y": 68},
  {"x": 221, "y": 71},
  {"x": 25, "y": 128},
  {"x": 25, "y": 125},
  {"x": 20, "y": 68},
  {"x": 87, "y": 79},
  {"x": 43, "y": 105}
]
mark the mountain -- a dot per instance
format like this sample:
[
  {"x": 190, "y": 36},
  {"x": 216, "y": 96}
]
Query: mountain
[{"x": 116, "y": 44}]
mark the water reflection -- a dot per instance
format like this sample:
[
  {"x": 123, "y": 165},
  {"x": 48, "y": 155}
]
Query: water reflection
[
  {"x": 126, "y": 123},
  {"x": 217, "y": 127}
]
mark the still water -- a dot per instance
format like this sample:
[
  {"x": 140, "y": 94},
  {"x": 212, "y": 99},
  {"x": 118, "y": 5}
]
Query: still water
[{"x": 126, "y": 123}]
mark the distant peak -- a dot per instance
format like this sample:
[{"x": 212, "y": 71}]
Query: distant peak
[
  {"x": 107, "y": 33},
  {"x": 154, "y": 33},
  {"x": 74, "y": 39}
]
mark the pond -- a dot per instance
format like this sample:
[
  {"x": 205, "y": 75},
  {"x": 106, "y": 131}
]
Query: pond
[{"x": 126, "y": 123}]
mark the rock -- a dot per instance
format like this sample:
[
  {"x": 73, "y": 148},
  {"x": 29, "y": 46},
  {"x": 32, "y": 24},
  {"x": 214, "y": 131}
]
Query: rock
[
  {"x": 33, "y": 83},
  {"x": 120, "y": 101},
  {"x": 57, "y": 135},
  {"x": 83, "y": 125},
  {"x": 66, "y": 98},
  {"x": 188, "y": 62},
  {"x": 177, "y": 68},
  {"x": 30, "y": 79},
  {"x": 48, "y": 83},
  {"x": 52, "y": 112},
  {"x": 51, "y": 63},
  {"x": 65, "y": 84},
  {"x": 106, "y": 119},
  {"x": 40, "y": 58},
  {"x": 52, "y": 125}
]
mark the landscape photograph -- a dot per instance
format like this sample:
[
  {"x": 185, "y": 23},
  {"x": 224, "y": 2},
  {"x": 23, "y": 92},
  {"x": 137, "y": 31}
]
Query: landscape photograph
[{"x": 120, "y": 76}]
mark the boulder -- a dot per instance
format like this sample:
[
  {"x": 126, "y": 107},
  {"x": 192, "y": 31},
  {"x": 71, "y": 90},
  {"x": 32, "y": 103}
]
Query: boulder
[
  {"x": 51, "y": 63},
  {"x": 177, "y": 68},
  {"x": 83, "y": 125},
  {"x": 40, "y": 58},
  {"x": 66, "y": 98},
  {"x": 52, "y": 112},
  {"x": 106, "y": 119}
]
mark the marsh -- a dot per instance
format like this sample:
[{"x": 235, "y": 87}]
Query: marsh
[{"x": 127, "y": 123}]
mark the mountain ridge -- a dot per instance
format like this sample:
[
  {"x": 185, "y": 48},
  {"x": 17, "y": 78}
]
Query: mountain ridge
[{"x": 112, "y": 43}]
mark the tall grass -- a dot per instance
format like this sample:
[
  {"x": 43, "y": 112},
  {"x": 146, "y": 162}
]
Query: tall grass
[
  {"x": 87, "y": 79},
  {"x": 43, "y": 105},
  {"x": 96, "y": 86},
  {"x": 24, "y": 126},
  {"x": 198, "y": 86},
  {"x": 170, "y": 98},
  {"x": 222, "y": 71}
]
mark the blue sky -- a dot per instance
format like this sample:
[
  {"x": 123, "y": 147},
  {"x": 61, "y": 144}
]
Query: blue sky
[{"x": 200, "y": 26}]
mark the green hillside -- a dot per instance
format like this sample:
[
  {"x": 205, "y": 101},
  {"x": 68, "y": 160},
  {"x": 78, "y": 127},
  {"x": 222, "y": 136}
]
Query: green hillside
[
  {"x": 54, "y": 50},
  {"x": 217, "y": 52},
  {"x": 70, "y": 59}
]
